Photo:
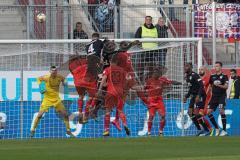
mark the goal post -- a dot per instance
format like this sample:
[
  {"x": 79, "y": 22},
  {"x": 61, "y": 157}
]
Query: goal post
[{"x": 22, "y": 61}]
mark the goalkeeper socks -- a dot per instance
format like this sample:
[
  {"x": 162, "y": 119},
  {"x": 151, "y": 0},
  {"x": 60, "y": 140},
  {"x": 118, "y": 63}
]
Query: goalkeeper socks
[
  {"x": 212, "y": 119},
  {"x": 80, "y": 105},
  {"x": 36, "y": 121},
  {"x": 201, "y": 121},
  {"x": 224, "y": 121},
  {"x": 162, "y": 124},
  {"x": 66, "y": 122},
  {"x": 194, "y": 119},
  {"x": 106, "y": 122}
]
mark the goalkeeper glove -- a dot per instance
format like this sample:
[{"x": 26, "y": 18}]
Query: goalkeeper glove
[{"x": 42, "y": 87}]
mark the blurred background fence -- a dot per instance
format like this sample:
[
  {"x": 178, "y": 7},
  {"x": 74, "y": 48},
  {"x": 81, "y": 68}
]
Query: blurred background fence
[{"x": 111, "y": 18}]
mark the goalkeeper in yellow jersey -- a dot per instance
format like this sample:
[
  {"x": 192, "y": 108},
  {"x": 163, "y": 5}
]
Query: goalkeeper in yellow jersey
[{"x": 51, "y": 98}]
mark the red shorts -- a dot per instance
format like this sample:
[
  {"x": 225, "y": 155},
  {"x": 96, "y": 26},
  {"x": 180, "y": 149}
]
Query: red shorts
[
  {"x": 156, "y": 104},
  {"x": 91, "y": 91},
  {"x": 121, "y": 103},
  {"x": 113, "y": 101},
  {"x": 83, "y": 82}
]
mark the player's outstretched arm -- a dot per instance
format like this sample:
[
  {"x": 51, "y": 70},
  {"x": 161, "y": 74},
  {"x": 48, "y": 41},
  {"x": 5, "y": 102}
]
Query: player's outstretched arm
[{"x": 176, "y": 83}]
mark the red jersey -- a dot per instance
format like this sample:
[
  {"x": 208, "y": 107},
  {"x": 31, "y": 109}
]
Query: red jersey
[
  {"x": 74, "y": 64},
  {"x": 205, "y": 80},
  {"x": 155, "y": 87},
  {"x": 125, "y": 61},
  {"x": 82, "y": 78},
  {"x": 116, "y": 79}
]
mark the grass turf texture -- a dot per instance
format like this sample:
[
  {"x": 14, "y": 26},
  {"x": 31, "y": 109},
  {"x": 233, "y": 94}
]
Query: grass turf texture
[{"x": 156, "y": 148}]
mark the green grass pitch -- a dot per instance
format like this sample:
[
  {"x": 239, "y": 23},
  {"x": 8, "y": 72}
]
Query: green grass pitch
[{"x": 156, "y": 148}]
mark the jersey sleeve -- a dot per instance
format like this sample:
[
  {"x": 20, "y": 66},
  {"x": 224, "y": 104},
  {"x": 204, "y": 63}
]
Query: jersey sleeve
[
  {"x": 225, "y": 80},
  {"x": 200, "y": 83},
  {"x": 166, "y": 81},
  {"x": 106, "y": 72},
  {"x": 211, "y": 80}
]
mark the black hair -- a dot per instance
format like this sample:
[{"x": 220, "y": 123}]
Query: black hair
[
  {"x": 190, "y": 64},
  {"x": 53, "y": 67},
  {"x": 78, "y": 23},
  {"x": 148, "y": 17},
  {"x": 93, "y": 65},
  {"x": 114, "y": 58},
  {"x": 233, "y": 70},
  {"x": 95, "y": 35},
  {"x": 218, "y": 62}
]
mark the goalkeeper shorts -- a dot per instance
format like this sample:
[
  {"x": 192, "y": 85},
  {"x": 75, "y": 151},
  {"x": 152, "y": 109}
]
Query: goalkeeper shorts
[{"x": 46, "y": 105}]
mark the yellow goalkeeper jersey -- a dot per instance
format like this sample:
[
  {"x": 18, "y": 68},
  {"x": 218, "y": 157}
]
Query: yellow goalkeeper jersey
[{"x": 51, "y": 95}]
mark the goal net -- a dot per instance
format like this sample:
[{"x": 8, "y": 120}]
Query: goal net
[{"x": 23, "y": 61}]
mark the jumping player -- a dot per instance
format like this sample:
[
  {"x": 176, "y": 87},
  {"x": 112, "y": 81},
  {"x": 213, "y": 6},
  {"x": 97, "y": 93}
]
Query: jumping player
[
  {"x": 124, "y": 59},
  {"x": 85, "y": 72},
  {"x": 114, "y": 78}
]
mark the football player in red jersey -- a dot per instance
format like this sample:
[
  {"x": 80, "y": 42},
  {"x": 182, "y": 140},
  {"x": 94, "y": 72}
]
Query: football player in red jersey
[
  {"x": 205, "y": 76},
  {"x": 124, "y": 61},
  {"x": 85, "y": 80},
  {"x": 114, "y": 78},
  {"x": 154, "y": 87}
]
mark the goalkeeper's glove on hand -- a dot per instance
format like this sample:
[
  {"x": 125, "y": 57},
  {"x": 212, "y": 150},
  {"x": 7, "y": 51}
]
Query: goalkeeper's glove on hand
[{"x": 42, "y": 87}]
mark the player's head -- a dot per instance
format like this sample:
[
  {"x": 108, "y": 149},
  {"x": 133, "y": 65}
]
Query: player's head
[
  {"x": 157, "y": 72},
  {"x": 188, "y": 67},
  {"x": 109, "y": 47},
  {"x": 114, "y": 59},
  {"x": 148, "y": 20},
  {"x": 233, "y": 73},
  {"x": 123, "y": 46},
  {"x": 95, "y": 36},
  {"x": 78, "y": 26},
  {"x": 161, "y": 21},
  {"x": 202, "y": 71},
  {"x": 93, "y": 65},
  {"x": 218, "y": 66},
  {"x": 53, "y": 71}
]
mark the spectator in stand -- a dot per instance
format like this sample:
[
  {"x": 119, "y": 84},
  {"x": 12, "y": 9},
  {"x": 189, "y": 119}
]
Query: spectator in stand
[
  {"x": 101, "y": 14},
  {"x": 162, "y": 30},
  {"x": 235, "y": 87},
  {"x": 79, "y": 33},
  {"x": 152, "y": 57}
]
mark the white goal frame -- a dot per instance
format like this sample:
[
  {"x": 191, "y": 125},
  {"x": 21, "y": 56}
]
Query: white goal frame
[{"x": 68, "y": 41}]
